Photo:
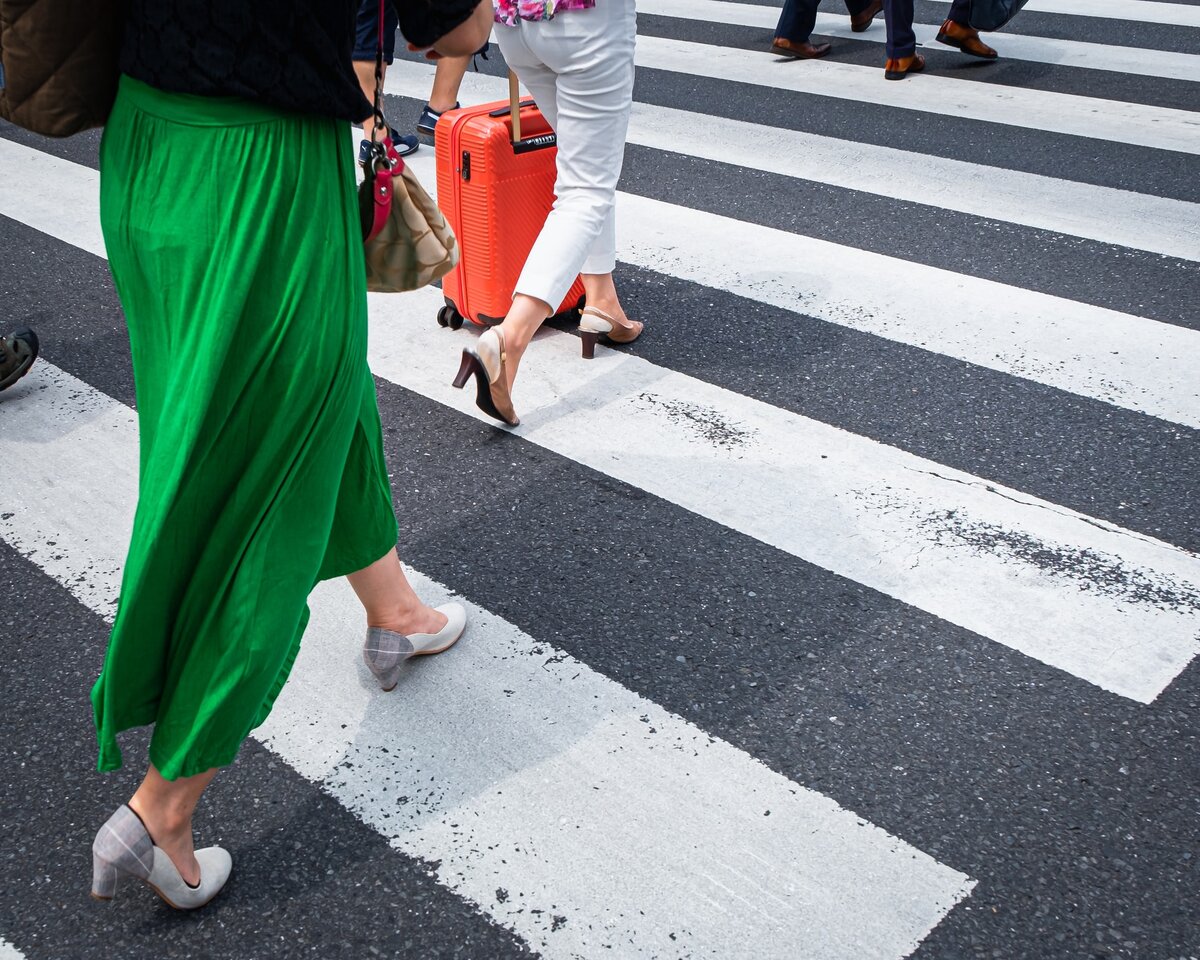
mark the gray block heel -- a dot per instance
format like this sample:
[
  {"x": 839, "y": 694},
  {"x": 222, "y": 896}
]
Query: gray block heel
[
  {"x": 385, "y": 651},
  {"x": 123, "y": 848}
]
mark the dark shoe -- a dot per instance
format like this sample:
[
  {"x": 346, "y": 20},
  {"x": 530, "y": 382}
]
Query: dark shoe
[
  {"x": 427, "y": 122},
  {"x": 965, "y": 39},
  {"x": 17, "y": 353},
  {"x": 902, "y": 67},
  {"x": 800, "y": 51},
  {"x": 860, "y": 21},
  {"x": 404, "y": 145}
]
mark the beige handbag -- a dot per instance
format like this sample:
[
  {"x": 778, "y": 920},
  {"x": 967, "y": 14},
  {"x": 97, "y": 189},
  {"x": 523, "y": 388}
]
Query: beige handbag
[{"x": 408, "y": 243}]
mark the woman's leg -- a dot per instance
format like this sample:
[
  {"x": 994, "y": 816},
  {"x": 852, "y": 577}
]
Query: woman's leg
[
  {"x": 588, "y": 107},
  {"x": 165, "y": 808},
  {"x": 601, "y": 293},
  {"x": 389, "y": 600}
]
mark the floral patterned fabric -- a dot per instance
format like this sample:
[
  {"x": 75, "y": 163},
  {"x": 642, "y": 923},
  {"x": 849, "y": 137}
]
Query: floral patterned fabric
[{"x": 510, "y": 11}]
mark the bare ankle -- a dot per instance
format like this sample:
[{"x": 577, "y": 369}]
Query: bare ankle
[
  {"x": 164, "y": 825},
  {"x": 609, "y": 305},
  {"x": 419, "y": 619}
]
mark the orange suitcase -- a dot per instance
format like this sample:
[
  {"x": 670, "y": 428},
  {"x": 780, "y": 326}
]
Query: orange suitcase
[{"x": 495, "y": 190}]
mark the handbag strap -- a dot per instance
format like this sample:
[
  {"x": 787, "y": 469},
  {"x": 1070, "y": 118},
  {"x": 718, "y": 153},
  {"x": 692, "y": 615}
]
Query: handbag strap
[{"x": 380, "y": 120}]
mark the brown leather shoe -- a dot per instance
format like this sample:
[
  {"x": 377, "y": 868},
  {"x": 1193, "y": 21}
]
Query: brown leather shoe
[
  {"x": 860, "y": 21},
  {"x": 901, "y": 68},
  {"x": 800, "y": 51},
  {"x": 966, "y": 39}
]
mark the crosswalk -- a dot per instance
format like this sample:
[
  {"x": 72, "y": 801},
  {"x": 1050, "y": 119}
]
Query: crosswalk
[
  {"x": 1073, "y": 53},
  {"x": 853, "y": 613}
]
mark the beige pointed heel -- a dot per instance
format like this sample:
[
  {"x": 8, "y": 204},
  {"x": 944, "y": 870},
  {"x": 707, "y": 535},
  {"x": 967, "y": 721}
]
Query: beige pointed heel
[{"x": 486, "y": 362}]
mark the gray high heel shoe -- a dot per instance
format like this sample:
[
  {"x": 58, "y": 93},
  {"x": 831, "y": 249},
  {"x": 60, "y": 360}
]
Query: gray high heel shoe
[
  {"x": 123, "y": 848},
  {"x": 385, "y": 651}
]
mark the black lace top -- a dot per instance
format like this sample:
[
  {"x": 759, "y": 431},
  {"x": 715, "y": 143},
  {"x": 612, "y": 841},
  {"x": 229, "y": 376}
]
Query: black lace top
[{"x": 291, "y": 54}]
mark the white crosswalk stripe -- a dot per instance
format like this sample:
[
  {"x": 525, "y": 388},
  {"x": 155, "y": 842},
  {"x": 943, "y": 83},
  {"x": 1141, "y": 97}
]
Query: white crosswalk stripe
[
  {"x": 1122, "y": 217},
  {"x": 9, "y": 952},
  {"x": 591, "y": 785},
  {"x": 999, "y": 562},
  {"x": 583, "y": 816},
  {"x": 1129, "y": 361},
  {"x": 1136, "y": 61},
  {"x": 1161, "y": 128}
]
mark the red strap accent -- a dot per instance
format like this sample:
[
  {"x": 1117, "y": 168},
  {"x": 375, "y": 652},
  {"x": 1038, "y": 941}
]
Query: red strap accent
[
  {"x": 381, "y": 193},
  {"x": 382, "y": 188}
]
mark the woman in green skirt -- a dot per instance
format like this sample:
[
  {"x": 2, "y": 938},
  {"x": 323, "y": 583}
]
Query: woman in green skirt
[{"x": 230, "y": 216}]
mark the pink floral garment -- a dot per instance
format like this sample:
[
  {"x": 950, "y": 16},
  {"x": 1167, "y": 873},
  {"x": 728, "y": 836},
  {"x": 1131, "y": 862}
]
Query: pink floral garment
[{"x": 510, "y": 11}]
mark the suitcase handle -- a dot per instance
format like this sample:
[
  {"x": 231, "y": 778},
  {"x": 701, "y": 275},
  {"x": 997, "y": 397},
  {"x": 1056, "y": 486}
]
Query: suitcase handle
[
  {"x": 514, "y": 106},
  {"x": 515, "y": 103},
  {"x": 504, "y": 110}
]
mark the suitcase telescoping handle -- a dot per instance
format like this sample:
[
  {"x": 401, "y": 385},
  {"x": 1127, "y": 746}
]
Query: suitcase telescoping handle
[
  {"x": 514, "y": 106},
  {"x": 519, "y": 144}
]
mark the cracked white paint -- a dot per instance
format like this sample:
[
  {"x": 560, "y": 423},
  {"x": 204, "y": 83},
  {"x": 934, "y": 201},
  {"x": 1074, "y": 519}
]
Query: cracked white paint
[
  {"x": 9, "y": 952},
  {"x": 795, "y": 491},
  {"x": 587, "y": 819},
  {"x": 794, "y": 496}
]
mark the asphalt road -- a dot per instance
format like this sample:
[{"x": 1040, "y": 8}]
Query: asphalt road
[{"x": 851, "y": 612}]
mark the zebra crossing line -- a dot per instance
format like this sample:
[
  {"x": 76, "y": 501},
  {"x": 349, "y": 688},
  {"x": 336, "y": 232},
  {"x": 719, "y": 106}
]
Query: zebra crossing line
[
  {"x": 1133, "y": 362},
  {"x": 1137, "y": 61},
  {"x": 512, "y": 766},
  {"x": 1020, "y": 571},
  {"x": 726, "y": 853},
  {"x": 9, "y": 952},
  {"x": 1161, "y": 128},
  {"x": 966, "y": 550},
  {"x": 1141, "y": 221},
  {"x": 1139, "y": 364}
]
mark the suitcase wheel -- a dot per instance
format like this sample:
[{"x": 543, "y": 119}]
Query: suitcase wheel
[{"x": 448, "y": 316}]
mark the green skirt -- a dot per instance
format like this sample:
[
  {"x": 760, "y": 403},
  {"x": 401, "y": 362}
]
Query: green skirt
[{"x": 232, "y": 233}]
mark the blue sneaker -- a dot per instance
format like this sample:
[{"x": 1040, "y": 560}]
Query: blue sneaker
[
  {"x": 428, "y": 121},
  {"x": 405, "y": 143},
  {"x": 404, "y": 146}
]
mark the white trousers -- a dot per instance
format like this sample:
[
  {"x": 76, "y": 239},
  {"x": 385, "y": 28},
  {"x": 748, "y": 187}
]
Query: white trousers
[{"x": 579, "y": 68}]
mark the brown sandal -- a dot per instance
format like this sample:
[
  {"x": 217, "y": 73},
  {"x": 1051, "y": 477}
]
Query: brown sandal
[{"x": 593, "y": 324}]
